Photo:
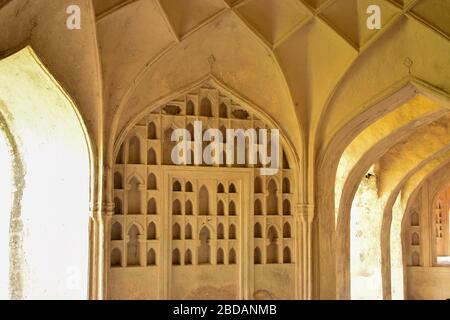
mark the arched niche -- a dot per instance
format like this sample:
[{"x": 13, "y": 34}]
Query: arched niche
[{"x": 40, "y": 120}]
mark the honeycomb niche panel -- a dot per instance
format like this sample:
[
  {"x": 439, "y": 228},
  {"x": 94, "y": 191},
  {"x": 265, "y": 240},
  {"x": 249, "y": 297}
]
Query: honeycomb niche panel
[{"x": 190, "y": 230}]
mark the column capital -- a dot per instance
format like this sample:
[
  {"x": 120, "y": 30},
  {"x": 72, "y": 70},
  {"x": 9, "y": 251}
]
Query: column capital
[
  {"x": 103, "y": 209},
  {"x": 306, "y": 212}
]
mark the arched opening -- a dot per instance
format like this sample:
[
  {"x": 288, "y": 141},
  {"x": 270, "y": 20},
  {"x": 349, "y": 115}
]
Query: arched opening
[
  {"x": 151, "y": 157},
  {"x": 205, "y": 108},
  {"x": 134, "y": 151},
  {"x": 232, "y": 257},
  {"x": 203, "y": 200},
  {"x": 188, "y": 208},
  {"x": 176, "y": 207},
  {"x": 188, "y": 187},
  {"x": 188, "y": 232},
  {"x": 116, "y": 231},
  {"x": 220, "y": 208},
  {"x": 286, "y": 186},
  {"x": 232, "y": 232},
  {"x": 151, "y": 206},
  {"x": 220, "y": 188},
  {"x": 118, "y": 181},
  {"x": 232, "y": 188},
  {"x": 116, "y": 258},
  {"x": 415, "y": 239},
  {"x": 286, "y": 207},
  {"x": 119, "y": 157},
  {"x": 117, "y": 206},
  {"x": 272, "y": 199},
  {"x": 176, "y": 186},
  {"x": 257, "y": 259},
  {"x": 415, "y": 219},
  {"x": 231, "y": 209},
  {"x": 133, "y": 247},
  {"x": 223, "y": 112},
  {"x": 151, "y": 231},
  {"x": 190, "y": 129},
  {"x": 134, "y": 197},
  {"x": 151, "y": 257},
  {"x": 188, "y": 257},
  {"x": 190, "y": 109},
  {"x": 151, "y": 132},
  {"x": 151, "y": 182},
  {"x": 415, "y": 259},
  {"x": 257, "y": 230},
  {"x": 258, "y": 185},
  {"x": 286, "y": 230},
  {"x": 220, "y": 256},
  {"x": 176, "y": 257},
  {"x": 272, "y": 248},
  {"x": 286, "y": 255},
  {"x": 258, "y": 207},
  {"x": 204, "y": 251},
  {"x": 220, "y": 232},
  {"x": 176, "y": 232}
]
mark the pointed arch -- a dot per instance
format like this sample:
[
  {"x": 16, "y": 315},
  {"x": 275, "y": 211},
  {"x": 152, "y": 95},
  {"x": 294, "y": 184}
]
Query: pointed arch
[
  {"x": 232, "y": 257},
  {"x": 286, "y": 207},
  {"x": 232, "y": 188},
  {"x": 220, "y": 188},
  {"x": 188, "y": 257},
  {"x": 118, "y": 181},
  {"x": 190, "y": 108},
  {"x": 133, "y": 246},
  {"x": 286, "y": 185},
  {"x": 176, "y": 257},
  {"x": 220, "y": 256},
  {"x": 188, "y": 187},
  {"x": 151, "y": 231},
  {"x": 257, "y": 230},
  {"x": 116, "y": 258},
  {"x": 257, "y": 259},
  {"x": 176, "y": 232},
  {"x": 134, "y": 151},
  {"x": 203, "y": 200},
  {"x": 176, "y": 207},
  {"x": 272, "y": 199},
  {"x": 258, "y": 207},
  {"x": 272, "y": 248},
  {"x": 287, "y": 230},
  {"x": 134, "y": 197},
  {"x": 204, "y": 251},
  {"x": 151, "y": 131},
  {"x": 232, "y": 232},
  {"x": 206, "y": 108},
  {"x": 188, "y": 208},
  {"x": 287, "y": 255},
  {"x": 220, "y": 208},
  {"x": 151, "y": 207},
  {"x": 220, "y": 231},
  {"x": 258, "y": 185},
  {"x": 223, "y": 110},
  {"x": 188, "y": 232},
  {"x": 176, "y": 187},
  {"x": 232, "y": 208},
  {"x": 116, "y": 231},
  {"x": 152, "y": 182},
  {"x": 118, "y": 206},
  {"x": 151, "y": 258},
  {"x": 151, "y": 157}
]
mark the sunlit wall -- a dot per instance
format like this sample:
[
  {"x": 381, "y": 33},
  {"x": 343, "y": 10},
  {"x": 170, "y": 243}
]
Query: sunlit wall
[{"x": 55, "y": 155}]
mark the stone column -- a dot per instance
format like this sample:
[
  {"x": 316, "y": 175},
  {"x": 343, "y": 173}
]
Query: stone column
[{"x": 304, "y": 215}]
